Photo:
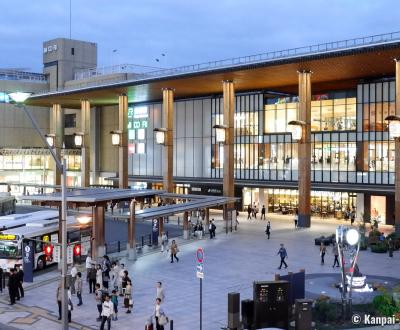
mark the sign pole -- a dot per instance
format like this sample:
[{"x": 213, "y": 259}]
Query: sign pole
[
  {"x": 201, "y": 303},
  {"x": 200, "y": 276}
]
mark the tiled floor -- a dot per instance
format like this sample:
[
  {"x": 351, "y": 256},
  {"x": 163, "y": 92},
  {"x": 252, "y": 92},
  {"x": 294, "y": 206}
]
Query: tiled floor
[{"x": 232, "y": 263}]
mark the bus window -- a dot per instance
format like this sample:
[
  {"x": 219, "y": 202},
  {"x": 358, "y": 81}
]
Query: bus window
[
  {"x": 38, "y": 245},
  {"x": 74, "y": 236},
  {"x": 8, "y": 249}
]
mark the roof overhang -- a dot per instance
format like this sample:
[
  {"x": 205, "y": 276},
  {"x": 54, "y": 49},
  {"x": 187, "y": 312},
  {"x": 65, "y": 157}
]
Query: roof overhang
[{"x": 341, "y": 69}]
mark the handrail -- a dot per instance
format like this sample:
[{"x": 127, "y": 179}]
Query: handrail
[{"x": 22, "y": 75}]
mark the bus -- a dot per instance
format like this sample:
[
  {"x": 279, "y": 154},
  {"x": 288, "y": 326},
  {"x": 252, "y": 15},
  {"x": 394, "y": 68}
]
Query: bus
[
  {"x": 18, "y": 220},
  {"x": 40, "y": 232}
]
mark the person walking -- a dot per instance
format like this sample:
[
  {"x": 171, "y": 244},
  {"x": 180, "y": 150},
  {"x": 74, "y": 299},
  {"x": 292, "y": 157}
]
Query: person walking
[
  {"x": 78, "y": 288},
  {"x": 125, "y": 280},
  {"x": 12, "y": 285},
  {"x": 113, "y": 275},
  {"x": 249, "y": 212},
  {"x": 120, "y": 277},
  {"x": 58, "y": 298},
  {"x": 20, "y": 281},
  {"x": 283, "y": 254},
  {"x": 106, "y": 268},
  {"x": 263, "y": 213},
  {"x": 160, "y": 291},
  {"x": 128, "y": 301},
  {"x": 99, "y": 276},
  {"x": 335, "y": 252},
  {"x": 114, "y": 299},
  {"x": 390, "y": 247},
  {"x": 174, "y": 251},
  {"x": 99, "y": 300},
  {"x": 164, "y": 241},
  {"x": 268, "y": 229},
  {"x": 74, "y": 271},
  {"x": 70, "y": 306},
  {"x": 213, "y": 228},
  {"x": 107, "y": 311},
  {"x": 159, "y": 315},
  {"x": 296, "y": 218},
  {"x": 92, "y": 275},
  {"x": 88, "y": 264},
  {"x": 322, "y": 252}
]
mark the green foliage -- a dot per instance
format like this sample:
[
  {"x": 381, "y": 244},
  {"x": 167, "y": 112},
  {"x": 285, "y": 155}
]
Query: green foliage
[
  {"x": 374, "y": 233},
  {"x": 326, "y": 311},
  {"x": 380, "y": 247},
  {"x": 384, "y": 305}
]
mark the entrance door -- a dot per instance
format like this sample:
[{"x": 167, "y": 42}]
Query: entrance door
[{"x": 378, "y": 209}]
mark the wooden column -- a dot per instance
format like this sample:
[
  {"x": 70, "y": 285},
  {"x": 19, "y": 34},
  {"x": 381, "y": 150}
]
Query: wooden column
[
  {"x": 160, "y": 226},
  {"x": 132, "y": 231},
  {"x": 168, "y": 162},
  {"x": 186, "y": 225},
  {"x": 304, "y": 150},
  {"x": 58, "y": 131},
  {"x": 229, "y": 112},
  {"x": 98, "y": 232},
  {"x": 85, "y": 151},
  {"x": 123, "y": 148},
  {"x": 207, "y": 216},
  {"x": 397, "y": 154}
]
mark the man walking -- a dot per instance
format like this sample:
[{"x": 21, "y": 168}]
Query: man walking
[
  {"x": 335, "y": 252},
  {"x": 263, "y": 212},
  {"x": 106, "y": 312},
  {"x": 78, "y": 287},
  {"x": 12, "y": 286},
  {"x": 20, "y": 280},
  {"x": 74, "y": 271},
  {"x": 283, "y": 254},
  {"x": 92, "y": 279}
]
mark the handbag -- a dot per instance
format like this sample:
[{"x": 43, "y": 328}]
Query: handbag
[
  {"x": 162, "y": 320},
  {"x": 130, "y": 302}
]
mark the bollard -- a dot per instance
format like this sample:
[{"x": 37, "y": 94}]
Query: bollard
[
  {"x": 142, "y": 241},
  {"x": 119, "y": 246},
  {"x": 149, "y": 239},
  {"x": 171, "y": 325},
  {"x": 178, "y": 221}
]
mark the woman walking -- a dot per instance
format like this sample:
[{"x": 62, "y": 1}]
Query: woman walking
[
  {"x": 99, "y": 276},
  {"x": 174, "y": 251},
  {"x": 322, "y": 251},
  {"x": 128, "y": 301},
  {"x": 159, "y": 315}
]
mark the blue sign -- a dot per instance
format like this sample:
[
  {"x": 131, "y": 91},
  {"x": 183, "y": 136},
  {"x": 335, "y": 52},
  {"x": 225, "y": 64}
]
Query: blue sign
[
  {"x": 155, "y": 232},
  {"x": 27, "y": 260}
]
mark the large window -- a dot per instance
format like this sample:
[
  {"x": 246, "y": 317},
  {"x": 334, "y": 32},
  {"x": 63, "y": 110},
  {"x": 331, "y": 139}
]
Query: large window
[{"x": 70, "y": 120}]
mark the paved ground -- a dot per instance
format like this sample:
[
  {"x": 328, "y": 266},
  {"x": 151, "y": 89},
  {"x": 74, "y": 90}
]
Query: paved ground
[{"x": 232, "y": 263}]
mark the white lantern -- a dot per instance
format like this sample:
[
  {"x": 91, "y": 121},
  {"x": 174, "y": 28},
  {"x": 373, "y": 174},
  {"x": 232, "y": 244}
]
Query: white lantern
[
  {"x": 115, "y": 138},
  {"x": 50, "y": 138},
  {"x": 160, "y": 135},
  {"x": 78, "y": 140},
  {"x": 352, "y": 236},
  {"x": 220, "y": 133},
  {"x": 394, "y": 129},
  {"x": 296, "y": 128}
]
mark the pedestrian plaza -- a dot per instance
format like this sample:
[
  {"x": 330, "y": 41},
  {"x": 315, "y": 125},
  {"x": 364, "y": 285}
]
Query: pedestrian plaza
[{"x": 232, "y": 262}]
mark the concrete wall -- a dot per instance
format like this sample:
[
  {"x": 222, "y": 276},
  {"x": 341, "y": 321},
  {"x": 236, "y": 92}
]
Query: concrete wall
[{"x": 16, "y": 130}]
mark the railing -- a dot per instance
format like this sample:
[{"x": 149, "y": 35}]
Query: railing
[
  {"x": 238, "y": 61},
  {"x": 119, "y": 68},
  {"x": 21, "y": 75}
]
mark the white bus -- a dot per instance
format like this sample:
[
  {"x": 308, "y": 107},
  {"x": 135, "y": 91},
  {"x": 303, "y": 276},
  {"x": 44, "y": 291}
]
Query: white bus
[
  {"x": 40, "y": 231},
  {"x": 17, "y": 220}
]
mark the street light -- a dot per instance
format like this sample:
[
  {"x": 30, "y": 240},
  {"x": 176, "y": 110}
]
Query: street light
[
  {"x": 116, "y": 138},
  {"x": 297, "y": 129},
  {"x": 220, "y": 133},
  {"x": 394, "y": 126},
  {"x": 78, "y": 140},
  {"x": 19, "y": 98},
  {"x": 160, "y": 134},
  {"x": 50, "y": 138},
  {"x": 84, "y": 220}
]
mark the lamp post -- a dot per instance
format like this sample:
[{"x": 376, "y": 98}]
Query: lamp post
[
  {"x": 349, "y": 236},
  {"x": 394, "y": 133},
  {"x": 19, "y": 98}
]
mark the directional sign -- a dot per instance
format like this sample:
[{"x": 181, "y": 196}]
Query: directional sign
[
  {"x": 200, "y": 263},
  {"x": 200, "y": 255},
  {"x": 57, "y": 253},
  {"x": 70, "y": 254},
  {"x": 200, "y": 271}
]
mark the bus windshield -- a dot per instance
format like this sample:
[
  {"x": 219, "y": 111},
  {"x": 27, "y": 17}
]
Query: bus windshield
[{"x": 8, "y": 249}]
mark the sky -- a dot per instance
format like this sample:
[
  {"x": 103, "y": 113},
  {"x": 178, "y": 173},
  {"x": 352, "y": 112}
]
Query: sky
[{"x": 186, "y": 31}]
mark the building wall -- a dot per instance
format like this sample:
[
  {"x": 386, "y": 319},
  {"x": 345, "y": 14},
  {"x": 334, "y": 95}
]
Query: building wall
[{"x": 108, "y": 152}]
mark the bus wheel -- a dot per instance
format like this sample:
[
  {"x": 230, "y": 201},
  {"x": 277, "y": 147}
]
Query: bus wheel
[{"x": 41, "y": 264}]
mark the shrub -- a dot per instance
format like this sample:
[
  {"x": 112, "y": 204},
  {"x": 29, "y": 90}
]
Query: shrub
[
  {"x": 325, "y": 311},
  {"x": 374, "y": 233},
  {"x": 385, "y": 305},
  {"x": 380, "y": 247}
]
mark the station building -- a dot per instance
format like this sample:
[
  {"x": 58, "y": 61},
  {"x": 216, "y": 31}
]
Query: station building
[{"x": 353, "y": 90}]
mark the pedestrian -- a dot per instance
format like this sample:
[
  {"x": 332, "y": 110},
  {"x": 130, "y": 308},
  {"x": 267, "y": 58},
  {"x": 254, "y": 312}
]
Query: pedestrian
[
  {"x": 268, "y": 229},
  {"x": 114, "y": 299},
  {"x": 107, "y": 312},
  {"x": 99, "y": 276},
  {"x": 210, "y": 229},
  {"x": 174, "y": 251},
  {"x": 128, "y": 301},
  {"x": 164, "y": 241},
  {"x": 352, "y": 217},
  {"x": 78, "y": 288},
  {"x": 296, "y": 218},
  {"x": 120, "y": 277},
  {"x": 106, "y": 267},
  {"x": 116, "y": 269},
  {"x": 92, "y": 279},
  {"x": 88, "y": 264},
  {"x": 213, "y": 228},
  {"x": 99, "y": 300},
  {"x": 159, "y": 315},
  {"x": 12, "y": 285},
  {"x": 70, "y": 306},
  {"x": 74, "y": 271},
  {"x": 255, "y": 211},
  {"x": 263, "y": 212},
  {"x": 335, "y": 252},
  {"x": 125, "y": 280},
  {"x": 20, "y": 281},
  {"x": 249, "y": 211},
  {"x": 322, "y": 252},
  {"x": 283, "y": 254},
  {"x": 58, "y": 298},
  {"x": 160, "y": 291},
  {"x": 113, "y": 275},
  {"x": 391, "y": 247}
]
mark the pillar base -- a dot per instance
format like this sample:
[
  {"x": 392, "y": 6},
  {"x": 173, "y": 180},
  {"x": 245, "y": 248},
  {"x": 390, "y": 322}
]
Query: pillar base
[
  {"x": 186, "y": 234},
  {"x": 101, "y": 251},
  {"x": 132, "y": 255},
  {"x": 397, "y": 228},
  {"x": 304, "y": 221}
]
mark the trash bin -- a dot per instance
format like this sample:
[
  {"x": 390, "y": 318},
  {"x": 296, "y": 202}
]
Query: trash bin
[{"x": 303, "y": 314}]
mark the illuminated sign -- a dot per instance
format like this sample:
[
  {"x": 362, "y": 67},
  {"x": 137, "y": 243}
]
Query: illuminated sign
[
  {"x": 8, "y": 237},
  {"x": 140, "y": 112},
  {"x": 140, "y": 123}
]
